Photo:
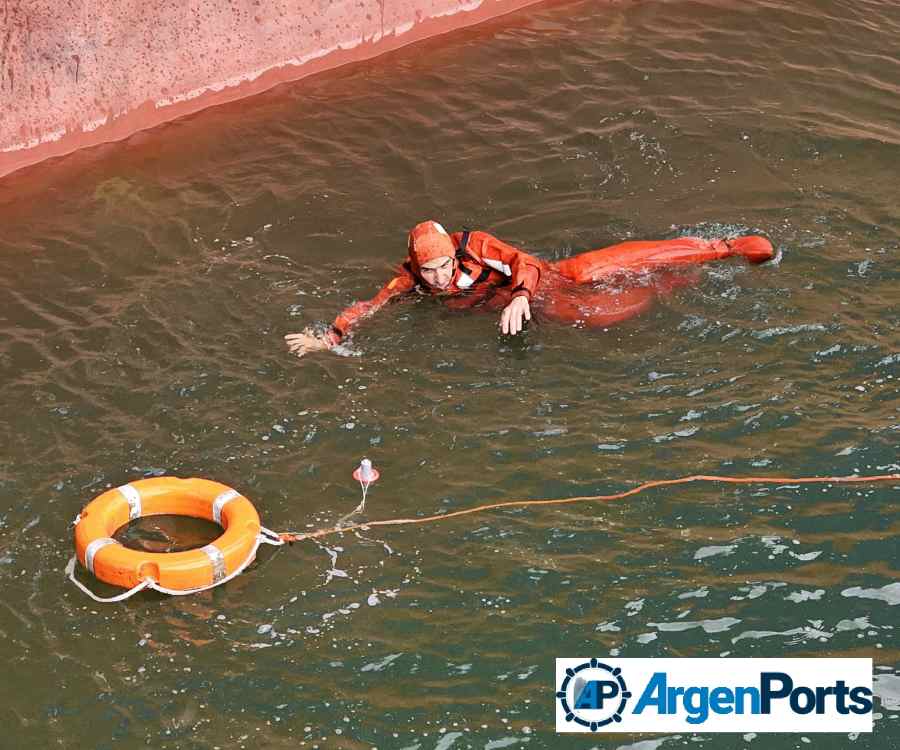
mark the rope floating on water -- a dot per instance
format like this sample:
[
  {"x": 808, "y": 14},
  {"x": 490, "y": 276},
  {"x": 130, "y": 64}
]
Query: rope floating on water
[
  {"x": 291, "y": 537},
  {"x": 265, "y": 536}
]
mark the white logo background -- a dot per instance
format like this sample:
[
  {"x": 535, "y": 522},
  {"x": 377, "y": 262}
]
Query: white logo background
[{"x": 715, "y": 673}]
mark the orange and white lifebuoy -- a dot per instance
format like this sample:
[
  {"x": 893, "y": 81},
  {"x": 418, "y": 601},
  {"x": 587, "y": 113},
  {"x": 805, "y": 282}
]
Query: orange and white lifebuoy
[{"x": 173, "y": 572}]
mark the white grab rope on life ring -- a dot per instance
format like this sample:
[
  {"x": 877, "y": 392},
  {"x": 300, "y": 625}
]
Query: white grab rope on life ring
[{"x": 266, "y": 536}]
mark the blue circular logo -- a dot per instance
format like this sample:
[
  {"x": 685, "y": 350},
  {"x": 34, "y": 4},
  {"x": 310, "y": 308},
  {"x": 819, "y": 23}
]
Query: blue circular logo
[{"x": 593, "y": 694}]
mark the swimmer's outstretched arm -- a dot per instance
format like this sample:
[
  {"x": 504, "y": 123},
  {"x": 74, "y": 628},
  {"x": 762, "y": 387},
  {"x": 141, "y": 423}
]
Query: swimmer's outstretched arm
[
  {"x": 523, "y": 270},
  {"x": 309, "y": 341}
]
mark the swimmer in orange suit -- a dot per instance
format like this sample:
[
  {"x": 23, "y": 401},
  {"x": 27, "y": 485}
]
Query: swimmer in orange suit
[{"x": 475, "y": 269}]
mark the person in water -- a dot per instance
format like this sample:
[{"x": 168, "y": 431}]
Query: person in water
[{"x": 475, "y": 269}]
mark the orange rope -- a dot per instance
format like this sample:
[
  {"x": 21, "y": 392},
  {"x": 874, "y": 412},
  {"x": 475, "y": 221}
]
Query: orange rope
[{"x": 297, "y": 537}]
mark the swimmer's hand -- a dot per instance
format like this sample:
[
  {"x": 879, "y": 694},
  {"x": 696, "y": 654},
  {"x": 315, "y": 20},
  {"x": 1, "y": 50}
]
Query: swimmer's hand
[
  {"x": 309, "y": 341},
  {"x": 514, "y": 315}
]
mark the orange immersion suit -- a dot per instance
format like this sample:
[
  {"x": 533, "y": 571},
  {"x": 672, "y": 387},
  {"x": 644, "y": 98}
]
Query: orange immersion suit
[{"x": 489, "y": 273}]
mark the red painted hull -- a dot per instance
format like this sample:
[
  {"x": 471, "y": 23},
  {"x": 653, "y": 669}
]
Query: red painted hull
[{"x": 92, "y": 71}]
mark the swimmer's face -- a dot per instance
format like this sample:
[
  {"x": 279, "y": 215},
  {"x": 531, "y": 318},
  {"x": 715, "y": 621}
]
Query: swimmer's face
[{"x": 438, "y": 273}]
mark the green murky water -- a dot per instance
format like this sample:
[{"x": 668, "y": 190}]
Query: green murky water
[{"x": 145, "y": 288}]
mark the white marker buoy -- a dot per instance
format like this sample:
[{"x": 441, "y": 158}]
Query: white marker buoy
[{"x": 365, "y": 473}]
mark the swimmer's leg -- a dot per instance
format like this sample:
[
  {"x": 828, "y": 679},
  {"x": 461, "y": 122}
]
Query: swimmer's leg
[
  {"x": 596, "y": 265},
  {"x": 601, "y": 308},
  {"x": 606, "y": 307},
  {"x": 666, "y": 282}
]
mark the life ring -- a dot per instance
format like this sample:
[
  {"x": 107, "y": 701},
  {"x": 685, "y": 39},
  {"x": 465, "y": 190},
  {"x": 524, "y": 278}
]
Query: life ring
[{"x": 205, "y": 567}]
